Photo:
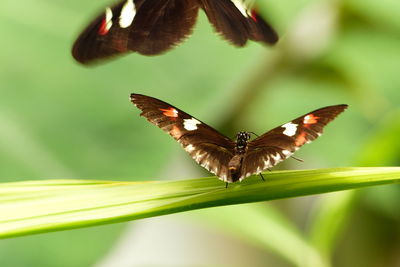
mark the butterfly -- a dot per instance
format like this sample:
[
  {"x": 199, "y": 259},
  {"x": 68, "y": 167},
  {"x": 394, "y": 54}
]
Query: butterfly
[
  {"x": 234, "y": 160},
  {"x": 151, "y": 27}
]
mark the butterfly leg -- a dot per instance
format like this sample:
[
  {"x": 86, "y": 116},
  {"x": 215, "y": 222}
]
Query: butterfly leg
[
  {"x": 262, "y": 177},
  {"x": 297, "y": 159}
]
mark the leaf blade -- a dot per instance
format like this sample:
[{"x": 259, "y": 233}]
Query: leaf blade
[{"x": 42, "y": 206}]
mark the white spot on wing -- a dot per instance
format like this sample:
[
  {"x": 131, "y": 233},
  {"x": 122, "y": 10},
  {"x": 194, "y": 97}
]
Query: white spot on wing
[
  {"x": 241, "y": 6},
  {"x": 206, "y": 165},
  {"x": 190, "y": 124},
  {"x": 276, "y": 158},
  {"x": 267, "y": 163},
  {"x": 128, "y": 13},
  {"x": 109, "y": 16},
  {"x": 290, "y": 129},
  {"x": 306, "y": 119},
  {"x": 189, "y": 148},
  {"x": 286, "y": 152},
  {"x": 198, "y": 156}
]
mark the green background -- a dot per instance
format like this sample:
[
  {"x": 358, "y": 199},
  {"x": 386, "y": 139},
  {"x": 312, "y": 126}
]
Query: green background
[{"x": 63, "y": 120}]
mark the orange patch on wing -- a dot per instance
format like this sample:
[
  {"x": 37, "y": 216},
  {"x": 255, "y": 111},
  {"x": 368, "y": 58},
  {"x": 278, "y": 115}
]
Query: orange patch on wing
[
  {"x": 254, "y": 15},
  {"x": 310, "y": 119},
  {"x": 301, "y": 139},
  {"x": 103, "y": 27},
  {"x": 175, "y": 132},
  {"x": 171, "y": 112}
]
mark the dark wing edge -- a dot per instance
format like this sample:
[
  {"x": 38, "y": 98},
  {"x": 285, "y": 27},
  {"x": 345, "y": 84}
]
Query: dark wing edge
[
  {"x": 209, "y": 148},
  {"x": 281, "y": 142}
]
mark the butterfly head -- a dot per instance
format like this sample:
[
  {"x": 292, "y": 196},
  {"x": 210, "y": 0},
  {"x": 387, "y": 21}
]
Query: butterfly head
[{"x": 241, "y": 141}]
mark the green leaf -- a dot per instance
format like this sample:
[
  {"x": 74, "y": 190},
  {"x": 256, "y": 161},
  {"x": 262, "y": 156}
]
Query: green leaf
[{"x": 51, "y": 205}]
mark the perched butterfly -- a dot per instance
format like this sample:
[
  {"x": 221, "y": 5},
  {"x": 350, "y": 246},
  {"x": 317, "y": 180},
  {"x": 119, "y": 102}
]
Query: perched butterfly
[
  {"x": 151, "y": 27},
  {"x": 235, "y": 160}
]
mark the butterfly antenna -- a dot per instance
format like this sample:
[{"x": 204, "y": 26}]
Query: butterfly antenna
[
  {"x": 262, "y": 177},
  {"x": 297, "y": 159},
  {"x": 254, "y": 134}
]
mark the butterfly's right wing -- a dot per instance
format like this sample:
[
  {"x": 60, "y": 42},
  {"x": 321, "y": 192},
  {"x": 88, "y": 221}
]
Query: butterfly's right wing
[
  {"x": 238, "y": 22},
  {"x": 281, "y": 142},
  {"x": 206, "y": 146}
]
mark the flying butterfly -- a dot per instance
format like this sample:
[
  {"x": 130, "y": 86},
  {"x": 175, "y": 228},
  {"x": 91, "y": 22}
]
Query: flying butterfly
[
  {"x": 235, "y": 160},
  {"x": 151, "y": 27}
]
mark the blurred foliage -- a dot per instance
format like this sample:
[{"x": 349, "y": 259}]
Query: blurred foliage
[{"x": 62, "y": 120}]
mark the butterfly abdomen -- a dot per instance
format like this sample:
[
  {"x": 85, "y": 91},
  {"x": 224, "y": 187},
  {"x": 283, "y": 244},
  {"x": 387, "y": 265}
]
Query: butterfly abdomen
[{"x": 235, "y": 166}]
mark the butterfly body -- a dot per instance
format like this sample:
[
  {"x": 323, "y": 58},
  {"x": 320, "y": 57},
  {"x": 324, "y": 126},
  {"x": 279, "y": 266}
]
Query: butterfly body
[
  {"x": 235, "y": 163},
  {"x": 235, "y": 160}
]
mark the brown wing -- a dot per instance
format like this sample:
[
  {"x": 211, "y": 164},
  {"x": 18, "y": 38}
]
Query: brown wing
[
  {"x": 148, "y": 27},
  {"x": 280, "y": 143},
  {"x": 237, "y": 22},
  {"x": 206, "y": 146}
]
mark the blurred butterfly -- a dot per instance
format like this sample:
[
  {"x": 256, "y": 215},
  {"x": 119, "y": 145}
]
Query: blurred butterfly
[
  {"x": 234, "y": 160},
  {"x": 151, "y": 27}
]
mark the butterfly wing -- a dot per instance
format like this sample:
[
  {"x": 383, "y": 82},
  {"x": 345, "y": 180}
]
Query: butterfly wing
[
  {"x": 237, "y": 22},
  {"x": 205, "y": 145},
  {"x": 148, "y": 27},
  {"x": 151, "y": 27},
  {"x": 281, "y": 142}
]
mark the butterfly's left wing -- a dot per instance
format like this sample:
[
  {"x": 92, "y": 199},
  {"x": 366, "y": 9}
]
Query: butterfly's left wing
[
  {"x": 206, "y": 146},
  {"x": 148, "y": 27},
  {"x": 238, "y": 22},
  {"x": 281, "y": 142}
]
